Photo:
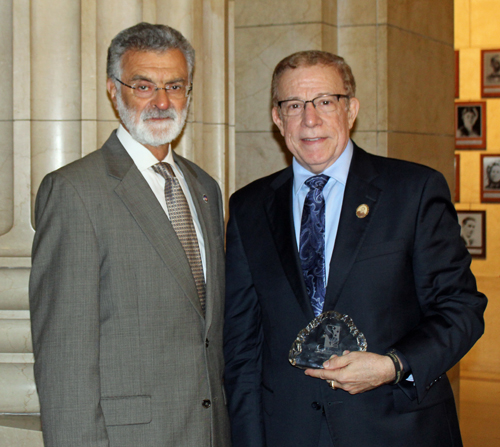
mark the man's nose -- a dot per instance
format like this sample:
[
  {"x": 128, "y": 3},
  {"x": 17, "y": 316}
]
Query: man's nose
[
  {"x": 160, "y": 99},
  {"x": 311, "y": 116}
]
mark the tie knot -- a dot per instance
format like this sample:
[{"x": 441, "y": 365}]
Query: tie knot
[
  {"x": 164, "y": 169},
  {"x": 317, "y": 182}
]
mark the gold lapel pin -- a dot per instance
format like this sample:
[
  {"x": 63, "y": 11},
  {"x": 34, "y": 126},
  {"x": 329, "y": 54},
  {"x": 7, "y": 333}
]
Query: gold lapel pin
[
  {"x": 205, "y": 198},
  {"x": 362, "y": 211}
]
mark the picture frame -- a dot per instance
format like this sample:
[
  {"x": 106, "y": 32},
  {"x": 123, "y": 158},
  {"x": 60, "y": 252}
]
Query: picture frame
[
  {"x": 457, "y": 178},
  {"x": 470, "y": 125},
  {"x": 457, "y": 74},
  {"x": 473, "y": 232},
  {"x": 490, "y": 73},
  {"x": 490, "y": 178}
]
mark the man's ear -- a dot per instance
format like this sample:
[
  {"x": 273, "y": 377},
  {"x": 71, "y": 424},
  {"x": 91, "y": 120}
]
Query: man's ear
[
  {"x": 277, "y": 120},
  {"x": 111, "y": 87},
  {"x": 352, "y": 113}
]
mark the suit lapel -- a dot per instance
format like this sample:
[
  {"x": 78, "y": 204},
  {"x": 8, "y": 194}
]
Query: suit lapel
[
  {"x": 142, "y": 204},
  {"x": 352, "y": 229},
  {"x": 280, "y": 215}
]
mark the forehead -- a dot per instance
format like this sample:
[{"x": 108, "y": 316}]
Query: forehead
[
  {"x": 152, "y": 63},
  {"x": 310, "y": 80}
]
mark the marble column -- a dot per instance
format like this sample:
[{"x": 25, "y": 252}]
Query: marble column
[
  {"x": 55, "y": 86},
  {"x": 6, "y": 119},
  {"x": 401, "y": 53},
  {"x": 17, "y": 388}
]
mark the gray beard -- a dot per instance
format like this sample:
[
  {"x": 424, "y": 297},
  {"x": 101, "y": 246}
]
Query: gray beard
[{"x": 149, "y": 132}]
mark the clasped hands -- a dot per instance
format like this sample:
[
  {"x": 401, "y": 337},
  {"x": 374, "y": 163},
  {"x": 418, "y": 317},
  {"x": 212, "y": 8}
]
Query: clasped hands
[{"x": 356, "y": 372}]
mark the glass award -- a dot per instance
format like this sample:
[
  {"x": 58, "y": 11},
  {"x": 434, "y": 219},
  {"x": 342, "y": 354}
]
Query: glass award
[{"x": 330, "y": 333}]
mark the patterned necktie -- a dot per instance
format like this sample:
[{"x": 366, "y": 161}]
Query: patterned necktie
[
  {"x": 312, "y": 242},
  {"x": 182, "y": 221}
]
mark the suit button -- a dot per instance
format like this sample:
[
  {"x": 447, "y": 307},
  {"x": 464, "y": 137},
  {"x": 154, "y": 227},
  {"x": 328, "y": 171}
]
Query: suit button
[
  {"x": 316, "y": 406},
  {"x": 206, "y": 403},
  {"x": 206, "y": 343}
]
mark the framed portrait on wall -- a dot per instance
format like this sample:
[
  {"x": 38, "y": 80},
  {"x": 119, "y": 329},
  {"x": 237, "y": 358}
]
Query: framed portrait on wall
[
  {"x": 490, "y": 73},
  {"x": 470, "y": 125},
  {"x": 457, "y": 178},
  {"x": 457, "y": 74},
  {"x": 490, "y": 178},
  {"x": 473, "y": 231}
]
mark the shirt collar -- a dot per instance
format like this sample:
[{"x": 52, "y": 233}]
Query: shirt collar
[
  {"x": 338, "y": 170},
  {"x": 140, "y": 154}
]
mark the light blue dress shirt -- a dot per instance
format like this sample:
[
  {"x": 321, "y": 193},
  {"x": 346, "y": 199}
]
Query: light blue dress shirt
[{"x": 334, "y": 196}]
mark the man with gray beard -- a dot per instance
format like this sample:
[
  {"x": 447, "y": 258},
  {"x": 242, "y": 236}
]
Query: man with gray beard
[{"x": 126, "y": 289}]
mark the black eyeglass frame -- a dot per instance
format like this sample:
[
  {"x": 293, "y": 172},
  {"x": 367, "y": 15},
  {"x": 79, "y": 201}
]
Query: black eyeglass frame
[{"x": 336, "y": 95}]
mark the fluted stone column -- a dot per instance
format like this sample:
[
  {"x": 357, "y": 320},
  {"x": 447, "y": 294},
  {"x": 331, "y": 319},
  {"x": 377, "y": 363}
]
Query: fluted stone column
[
  {"x": 17, "y": 388},
  {"x": 55, "y": 86},
  {"x": 6, "y": 119}
]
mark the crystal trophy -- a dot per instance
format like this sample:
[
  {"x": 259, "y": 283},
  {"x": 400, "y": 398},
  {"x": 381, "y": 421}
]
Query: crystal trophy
[{"x": 330, "y": 333}]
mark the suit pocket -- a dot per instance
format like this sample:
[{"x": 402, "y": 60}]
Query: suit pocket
[
  {"x": 127, "y": 410},
  {"x": 382, "y": 249}
]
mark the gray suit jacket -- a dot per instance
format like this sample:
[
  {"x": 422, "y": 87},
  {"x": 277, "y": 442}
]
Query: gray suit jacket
[{"x": 123, "y": 354}]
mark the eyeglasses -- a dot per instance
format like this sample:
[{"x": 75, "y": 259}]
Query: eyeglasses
[
  {"x": 323, "y": 104},
  {"x": 146, "y": 89}
]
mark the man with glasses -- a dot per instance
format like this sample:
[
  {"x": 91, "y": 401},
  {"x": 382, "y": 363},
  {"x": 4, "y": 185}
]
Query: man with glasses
[
  {"x": 126, "y": 290},
  {"x": 369, "y": 237}
]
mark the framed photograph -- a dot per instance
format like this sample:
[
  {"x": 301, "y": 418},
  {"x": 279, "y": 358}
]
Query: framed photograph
[
  {"x": 490, "y": 73},
  {"x": 473, "y": 233},
  {"x": 470, "y": 125},
  {"x": 457, "y": 178},
  {"x": 457, "y": 74},
  {"x": 490, "y": 178}
]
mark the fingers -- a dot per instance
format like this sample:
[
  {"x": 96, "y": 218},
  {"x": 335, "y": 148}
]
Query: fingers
[{"x": 336, "y": 362}]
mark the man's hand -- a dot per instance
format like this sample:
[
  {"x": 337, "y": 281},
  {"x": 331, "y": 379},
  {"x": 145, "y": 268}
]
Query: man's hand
[{"x": 356, "y": 372}]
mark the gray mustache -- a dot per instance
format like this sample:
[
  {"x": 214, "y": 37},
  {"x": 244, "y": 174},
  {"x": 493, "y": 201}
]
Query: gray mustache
[{"x": 169, "y": 113}]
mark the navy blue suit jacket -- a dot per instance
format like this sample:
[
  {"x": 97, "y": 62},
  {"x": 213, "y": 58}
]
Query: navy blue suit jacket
[{"x": 401, "y": 273}]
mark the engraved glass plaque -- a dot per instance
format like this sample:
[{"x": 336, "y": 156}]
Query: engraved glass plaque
[{"x": 328, "y": 334}]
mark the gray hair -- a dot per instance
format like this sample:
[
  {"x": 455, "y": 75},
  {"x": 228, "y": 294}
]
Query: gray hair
[
  {"x": 147, "y": 37},
  {"x": 309, "y": 59}
]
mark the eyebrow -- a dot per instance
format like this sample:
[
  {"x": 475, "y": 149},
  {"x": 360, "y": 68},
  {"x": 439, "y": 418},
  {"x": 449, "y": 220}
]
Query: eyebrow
[
  {"x": 293, "y": 98},
  {"x": 145, "y": 78}
]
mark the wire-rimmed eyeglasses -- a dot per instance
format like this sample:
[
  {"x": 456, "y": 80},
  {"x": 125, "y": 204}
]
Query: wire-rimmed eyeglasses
[{"x": 147, "y": 89}]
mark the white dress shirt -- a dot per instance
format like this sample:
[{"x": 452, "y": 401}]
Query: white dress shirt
[{"x": 145, "y": 160}]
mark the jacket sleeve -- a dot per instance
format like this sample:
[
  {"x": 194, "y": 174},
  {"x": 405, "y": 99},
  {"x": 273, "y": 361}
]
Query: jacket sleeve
[
  {"x": 452, "y": 308},
  {"x": 243, "y": 338},
  {"x": 64, "y": 304}
]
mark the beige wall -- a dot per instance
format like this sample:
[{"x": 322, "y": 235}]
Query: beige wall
[{"x": 475, "y": 30}]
